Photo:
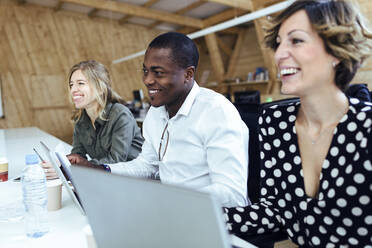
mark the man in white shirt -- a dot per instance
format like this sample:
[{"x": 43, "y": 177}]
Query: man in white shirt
[{"x": 194, "y": 137}]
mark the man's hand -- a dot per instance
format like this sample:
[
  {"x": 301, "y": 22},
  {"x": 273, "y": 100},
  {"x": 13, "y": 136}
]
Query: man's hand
[
  {"x": 50, "y": 172},
  {"x": 79, "y": 160}
]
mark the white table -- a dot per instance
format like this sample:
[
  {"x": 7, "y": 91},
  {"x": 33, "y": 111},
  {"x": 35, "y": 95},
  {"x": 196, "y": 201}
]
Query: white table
[{"x": 66, "y": 224}]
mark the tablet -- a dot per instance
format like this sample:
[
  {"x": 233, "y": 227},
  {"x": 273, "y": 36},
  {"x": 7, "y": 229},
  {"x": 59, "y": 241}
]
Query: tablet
[{"x": 66, "y": 168}]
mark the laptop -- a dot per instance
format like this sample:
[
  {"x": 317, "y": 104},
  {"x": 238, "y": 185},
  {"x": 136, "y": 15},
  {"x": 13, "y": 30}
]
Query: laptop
[
  {"x": 132, "y": 212},
  {"x": 71, "y": 189}
]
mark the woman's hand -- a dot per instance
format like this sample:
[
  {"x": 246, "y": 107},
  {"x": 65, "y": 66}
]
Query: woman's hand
[{"x": 50, "y": 172}]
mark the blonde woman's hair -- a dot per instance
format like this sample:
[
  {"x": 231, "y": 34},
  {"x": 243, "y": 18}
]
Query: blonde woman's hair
[
  {"x": 342, "y": 28},
  {"x": 99, "y": 79}
]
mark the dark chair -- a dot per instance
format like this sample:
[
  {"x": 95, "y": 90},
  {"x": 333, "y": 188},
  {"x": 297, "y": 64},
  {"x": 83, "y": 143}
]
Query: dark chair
[{"x": 247, "y": 96}]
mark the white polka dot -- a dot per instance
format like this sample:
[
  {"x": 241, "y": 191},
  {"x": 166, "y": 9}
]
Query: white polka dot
[
  {"x": 297, "y": 160},
  {"x": 361, "y": 116},
  {"x": 281, "y": 203},
  {"x": 362, "y": 231},
  {"x": 288, "y": 215},
  {"x": 341, "y": 202},
  {"x": 296, "y": 227},
  {"x": 273, "y": 161},
  {"x": 352, "y": 126},
  {"x": 331, "y": 193},
  {"x": 349, "y": 169},
  {"x": 325, "y": 164},
  {"x": 368, "y": 220},
  {"x": 339, "y": 181},
  {"x": 341, "y": 231},
  {"x": 356, "y": 157},
  {"x": 328, "y": 220},
  {"x": 287, "y": 136},
  {"x": 363, "y": 143},
  {"x": 367, "y": 123},
  {"x": 303, "y": 205},
  {"x": 367, "y": 165},
  {"x": 263, "y": 173},
  {"x": 253, "y": 215},
  {"x": 356, "y": 211},
  {"x": 341, "y": 139},
  {"x": 351, "y": 190},
  {"x": 347, "y": 222},
  {"x": 359, "y": 178},
  {"x": 270, "y": 182},
  {"x": 277, "y": 114},
  {"x": 292, "y": 148},
  {"x": 284, "y": 185},
  {"x": 291, "y": 178},
  {"x": 260, "y": 120},
  {"x": 263, "y": 131},
  {"x": 287, "y": 166},
  {"x": 291, "y": 109},
  {"x": 343, "y": 119},
  {"x": 317, "y": 210},
  {"x": 240, "y": 209},
  {"x": 359, "y": 136},
  {"x": 269, "y": 212},
  {"x": 341, "y": 160},
  {"x": 265, "y": 221},
  {"x": 353, "y": 241},
  {"x": 281, "y": 154},
  {"x": 322, "y": 229},
  {"x": 268, "y": 164},
  {"x": 262, "y": 155},
  {"x": 255, "y": 207},
  {"x": 263, "y": 191},
  {"x": 315, "y": 240},
  {"x": 334, "y": 172},
  {"x": 325, "y": 184},
  {"x": 271, "y": 131},
  {"x": 335, "y": 212},
  {"x": 300, "y": 240},
  {"x": 260, "y": 138},
  {"x": 350, "y": 148},
  {"x": 244, "y": 228},
  {"x": 277, "y": 173},
  {"x": 364, "y": 200},
  {"x": 334, "y": 151},
  {"x": 283, "y": 125},
  {"x": 276, "y": 142},
  {"x": 354, "y": 100},
  {"x": 310, "y": 220},
  {"x": 237, "y": 218},
  {"x": 289, "y": 231},
  {"x": 268, "y": 119},
  {"x": 292, "y": 118},
  {"x": 334, "y": 239},
  {"x": 299, "y": 192},
  {"x": 267, "y": 146},
  {"x": 260, "y": 231}
]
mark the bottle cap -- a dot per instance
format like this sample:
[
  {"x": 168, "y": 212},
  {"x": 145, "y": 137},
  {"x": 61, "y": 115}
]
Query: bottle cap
[{"x": 32, "y": 159}]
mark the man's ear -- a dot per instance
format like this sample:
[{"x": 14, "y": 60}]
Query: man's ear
[{"x": 189, "y": 73}]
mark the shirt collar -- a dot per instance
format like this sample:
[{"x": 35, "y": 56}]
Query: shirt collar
[{"x": 186, "y": 105}]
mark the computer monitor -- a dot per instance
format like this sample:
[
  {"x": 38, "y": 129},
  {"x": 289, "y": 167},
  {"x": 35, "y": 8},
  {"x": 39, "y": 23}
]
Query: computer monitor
[{"x": 247, "y": 96}]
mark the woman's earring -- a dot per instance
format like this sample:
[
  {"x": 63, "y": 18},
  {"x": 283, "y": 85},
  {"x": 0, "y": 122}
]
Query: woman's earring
[{"x": 334, "y": 63}]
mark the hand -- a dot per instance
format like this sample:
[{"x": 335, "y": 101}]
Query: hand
[
  {"x": 76, "y": 159},
  {"x": 50, "y": 172}
]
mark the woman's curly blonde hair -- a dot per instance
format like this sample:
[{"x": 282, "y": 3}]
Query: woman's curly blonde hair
[{"x": 342, "y": 28}]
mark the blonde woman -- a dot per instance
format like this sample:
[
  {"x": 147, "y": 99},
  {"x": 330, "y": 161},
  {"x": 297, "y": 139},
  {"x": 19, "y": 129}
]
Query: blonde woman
[
  {"x": 104, "y": 129},
  {"x": 316, "y": 154}
]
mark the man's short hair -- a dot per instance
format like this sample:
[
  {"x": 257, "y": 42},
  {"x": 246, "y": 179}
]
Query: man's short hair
[{"x": 184, "y": 51}]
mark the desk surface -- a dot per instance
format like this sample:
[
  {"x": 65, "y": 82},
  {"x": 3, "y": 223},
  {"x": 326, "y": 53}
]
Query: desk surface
[{"x": 66, "y": 224}]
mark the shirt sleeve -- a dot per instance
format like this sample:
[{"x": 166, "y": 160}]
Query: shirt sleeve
[
  {"x": 146, "y": 165},
  {"x": 77, "y": 147},
  {"x": 226, "y": 143},
  {"x": 261, "y": 217},
  {"x": 123, "y": 131}
]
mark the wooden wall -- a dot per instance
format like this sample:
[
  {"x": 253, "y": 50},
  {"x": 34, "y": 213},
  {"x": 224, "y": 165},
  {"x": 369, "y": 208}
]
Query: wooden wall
[{"x": 37, "y": 48}]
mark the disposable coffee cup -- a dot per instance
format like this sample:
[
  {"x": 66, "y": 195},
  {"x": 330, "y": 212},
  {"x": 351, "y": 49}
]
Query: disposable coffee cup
[
  {"x": 54, "y": 188},
  {"x": 91, "y": 242},
  {"x": 3, "y": 169}
]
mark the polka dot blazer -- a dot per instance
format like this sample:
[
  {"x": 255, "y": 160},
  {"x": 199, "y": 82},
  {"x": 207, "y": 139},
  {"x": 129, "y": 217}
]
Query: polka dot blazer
[{"x": 341, "y": 214}]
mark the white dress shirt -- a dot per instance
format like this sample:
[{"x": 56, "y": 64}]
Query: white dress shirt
[{"x": 207, "y": 147}]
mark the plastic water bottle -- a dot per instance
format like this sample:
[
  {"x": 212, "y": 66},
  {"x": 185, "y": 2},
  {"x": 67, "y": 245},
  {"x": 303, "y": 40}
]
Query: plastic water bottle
[{"x": 35, "y": 198}]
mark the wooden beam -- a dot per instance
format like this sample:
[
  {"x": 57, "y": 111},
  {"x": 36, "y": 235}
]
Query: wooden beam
[
  {"x": 182, "y": 11},
  {"x": 215, "y": 56},
  {"x": 241, "y": 4},
  {"x": 235, "y": 55},
  {"x": 148, "y": 4},
  {"x": 58, "y": 6},
  {"x": 92, "y": 13},
  {"x": 225, "y": 48},
  {"x": 132, "y": 9}
]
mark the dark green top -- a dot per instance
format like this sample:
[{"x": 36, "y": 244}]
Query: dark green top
[{"x": 118, "y": 139}]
